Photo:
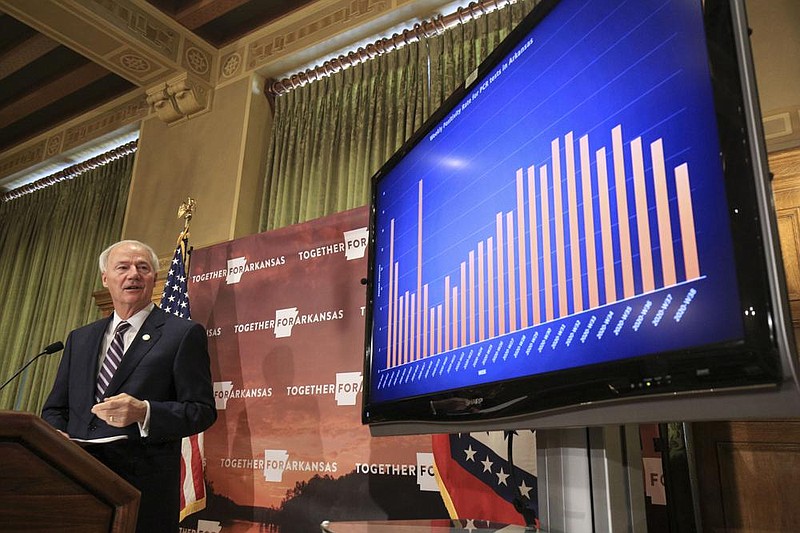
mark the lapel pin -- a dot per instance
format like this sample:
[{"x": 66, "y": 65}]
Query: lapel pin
[{"x": 146, "y": 337}]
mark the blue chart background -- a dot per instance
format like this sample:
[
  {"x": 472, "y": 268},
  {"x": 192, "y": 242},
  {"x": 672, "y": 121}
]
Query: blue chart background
[{"x": 586, "y": 68}]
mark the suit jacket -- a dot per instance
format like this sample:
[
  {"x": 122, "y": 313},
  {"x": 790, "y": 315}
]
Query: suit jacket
[{"x": 167, "y": 364}]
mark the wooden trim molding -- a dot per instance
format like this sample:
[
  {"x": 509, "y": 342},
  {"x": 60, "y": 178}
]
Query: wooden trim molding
[{"x": 785, "y": 168}]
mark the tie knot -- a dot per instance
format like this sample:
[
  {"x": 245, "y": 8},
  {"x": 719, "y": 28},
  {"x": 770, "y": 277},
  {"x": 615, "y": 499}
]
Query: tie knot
[{"x": 122, "y": 327}]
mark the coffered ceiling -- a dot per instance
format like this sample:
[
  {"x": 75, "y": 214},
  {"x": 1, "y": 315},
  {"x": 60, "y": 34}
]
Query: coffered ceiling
[
  {"x": 61, "y": 60},
  {"x": 45, "y": 78}
]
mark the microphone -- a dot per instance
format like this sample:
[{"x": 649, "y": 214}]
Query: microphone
[{"x": 50, "y": 348}]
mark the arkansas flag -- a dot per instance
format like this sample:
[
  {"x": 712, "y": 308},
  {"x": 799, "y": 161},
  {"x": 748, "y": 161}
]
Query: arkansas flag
[{"x": 478, "y": 480}]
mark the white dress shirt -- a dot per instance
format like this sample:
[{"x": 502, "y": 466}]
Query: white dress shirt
[{"x": 136, "y": 322}]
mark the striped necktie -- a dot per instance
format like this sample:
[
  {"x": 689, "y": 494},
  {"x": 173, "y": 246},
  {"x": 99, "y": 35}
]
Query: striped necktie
[{"x": 112, "y": 360}]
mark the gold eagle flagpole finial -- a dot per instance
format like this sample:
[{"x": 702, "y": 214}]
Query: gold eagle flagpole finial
[{"x": 186, "y": 211}]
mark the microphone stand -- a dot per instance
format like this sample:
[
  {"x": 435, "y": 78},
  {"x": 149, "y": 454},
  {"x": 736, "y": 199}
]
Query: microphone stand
[{"x": 52, "y": 348}]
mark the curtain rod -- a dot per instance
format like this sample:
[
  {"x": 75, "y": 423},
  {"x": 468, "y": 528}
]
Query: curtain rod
[
  {"x": 426, "y": 28},
  {"x": 72, "y": 171}
]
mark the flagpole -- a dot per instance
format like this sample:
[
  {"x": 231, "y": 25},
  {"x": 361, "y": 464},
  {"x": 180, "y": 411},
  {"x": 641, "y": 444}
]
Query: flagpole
[{"x": 193, "y": 490}]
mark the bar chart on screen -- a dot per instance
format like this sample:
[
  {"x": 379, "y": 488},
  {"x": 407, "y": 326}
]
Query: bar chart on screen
[{"x": 543, "y": 279}]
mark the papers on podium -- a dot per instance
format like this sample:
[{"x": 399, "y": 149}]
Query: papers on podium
[{"x": 102, "y": 440}]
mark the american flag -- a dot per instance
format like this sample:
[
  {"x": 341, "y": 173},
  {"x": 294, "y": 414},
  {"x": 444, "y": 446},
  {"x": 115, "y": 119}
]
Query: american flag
[{"x": 175, "y": 300}]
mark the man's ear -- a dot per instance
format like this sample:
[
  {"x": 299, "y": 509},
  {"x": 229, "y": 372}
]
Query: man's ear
[{"x": 105, "y": 281}]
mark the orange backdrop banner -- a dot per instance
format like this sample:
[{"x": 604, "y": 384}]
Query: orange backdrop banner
[{"x": 284, "y": 312}]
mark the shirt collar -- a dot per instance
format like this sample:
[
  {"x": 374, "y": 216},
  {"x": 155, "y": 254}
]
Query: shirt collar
[{"x": 136, "y": 320}]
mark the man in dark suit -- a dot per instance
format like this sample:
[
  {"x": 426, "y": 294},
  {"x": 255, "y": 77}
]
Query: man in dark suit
[{"x": 144, "y": 404}]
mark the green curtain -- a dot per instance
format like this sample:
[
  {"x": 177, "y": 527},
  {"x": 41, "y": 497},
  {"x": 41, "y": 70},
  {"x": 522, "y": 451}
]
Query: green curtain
[
  {"x": 329, "y": 137},
  {"x": 49, "y": 243}
]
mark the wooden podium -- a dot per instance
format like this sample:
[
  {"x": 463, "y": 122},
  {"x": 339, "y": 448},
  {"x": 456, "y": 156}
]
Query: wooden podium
[{"x": 48, "y": 483}]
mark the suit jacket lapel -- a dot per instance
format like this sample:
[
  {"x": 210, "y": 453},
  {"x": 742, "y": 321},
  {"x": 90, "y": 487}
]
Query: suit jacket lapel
[{"x": 148, "y": 336}]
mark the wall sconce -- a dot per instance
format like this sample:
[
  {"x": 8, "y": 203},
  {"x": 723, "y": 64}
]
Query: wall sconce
[{"x": 179, "y": 99}]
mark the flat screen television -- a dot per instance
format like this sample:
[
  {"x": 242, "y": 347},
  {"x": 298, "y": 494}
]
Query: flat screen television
[{"x": 583, "y": 234}]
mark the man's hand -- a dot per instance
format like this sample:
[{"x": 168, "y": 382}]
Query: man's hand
[{"x": 121, "y": 410}]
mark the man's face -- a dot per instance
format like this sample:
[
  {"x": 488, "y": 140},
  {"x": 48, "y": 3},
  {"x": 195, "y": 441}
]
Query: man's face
[{"x": 129, "y": 278}]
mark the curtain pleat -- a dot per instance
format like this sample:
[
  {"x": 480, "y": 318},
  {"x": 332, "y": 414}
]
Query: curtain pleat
[
  {"x": 49, "y": 243},
  {"x": 329, "y": 137}
]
